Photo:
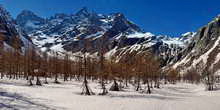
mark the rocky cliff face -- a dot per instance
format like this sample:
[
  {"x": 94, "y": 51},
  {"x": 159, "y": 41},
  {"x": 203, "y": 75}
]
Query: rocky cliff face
[
  {"x": 10, "y": 31},
  {"x": 203, "y": 52}
]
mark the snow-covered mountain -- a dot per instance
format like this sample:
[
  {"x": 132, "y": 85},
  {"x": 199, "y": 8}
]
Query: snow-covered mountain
[
  {"x": 72, "y": 32},
  {"x": 186, "y": 38},
  {"x": 11, "y": 32}
]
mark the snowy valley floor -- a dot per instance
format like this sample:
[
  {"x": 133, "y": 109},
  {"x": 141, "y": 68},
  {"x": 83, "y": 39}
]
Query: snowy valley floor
[{"x": 16, "y": 95}]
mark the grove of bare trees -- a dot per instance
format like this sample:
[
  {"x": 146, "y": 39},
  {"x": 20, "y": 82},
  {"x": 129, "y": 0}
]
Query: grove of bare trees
[{"x": 131, "y": 69}]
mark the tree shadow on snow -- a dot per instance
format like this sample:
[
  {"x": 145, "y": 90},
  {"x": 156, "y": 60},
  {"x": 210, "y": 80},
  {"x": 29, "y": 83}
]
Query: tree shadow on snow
[
  {"x": 170, "y": 94},
  {"x": 144, "y": 96},
  {"x": 16, "y": 102},
  {"x": 12, "y": 83}
]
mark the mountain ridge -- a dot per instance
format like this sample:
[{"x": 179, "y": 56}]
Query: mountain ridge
[{"x": 69, "y": 32}]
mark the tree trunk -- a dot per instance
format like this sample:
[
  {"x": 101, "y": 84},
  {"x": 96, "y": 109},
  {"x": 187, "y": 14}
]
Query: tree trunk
[
  {"x": 148, "y": 87},
  {"x": 30, "y": 82},
  {"x": 104, "y": 90},
  {"x": 86, "y": 90},
  {"x": 138, "y": 85},
  {"x": 56, "y": 79},
  {"x": 38, "y": 82},
  {"x": 115, "y": 86}
]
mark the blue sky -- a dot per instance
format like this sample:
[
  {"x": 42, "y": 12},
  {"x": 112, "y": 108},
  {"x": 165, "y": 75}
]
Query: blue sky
[{"x": 169, "y": 17}]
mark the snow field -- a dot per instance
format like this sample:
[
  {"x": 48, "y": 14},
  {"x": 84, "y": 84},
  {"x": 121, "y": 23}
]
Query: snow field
[{"x": 16, "y": 95}]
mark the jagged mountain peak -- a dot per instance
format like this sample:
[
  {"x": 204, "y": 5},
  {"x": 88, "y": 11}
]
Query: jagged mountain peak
[
  {"x": 29, "y": 20},
  {"x": 119, "y": 17},
  {"x": 4, "y": 14},
  {"x": 27, "y": 13},
  {"x": 187, "y": 37},
  {"x": 3, "y": 10},
  {"x": 83, "y": 12},
  {"x": 122, "y": 24}
]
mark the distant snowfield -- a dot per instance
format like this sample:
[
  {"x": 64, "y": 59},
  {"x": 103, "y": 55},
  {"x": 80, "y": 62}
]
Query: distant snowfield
[{"x": 16, "y": 95}]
